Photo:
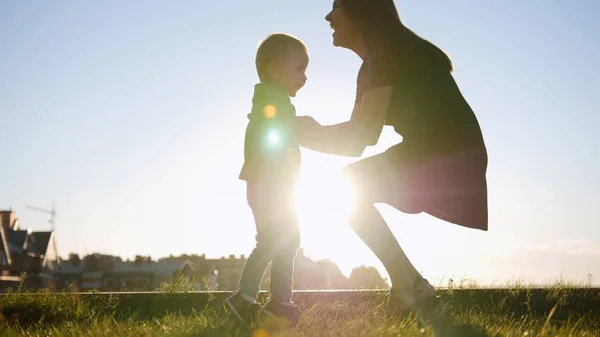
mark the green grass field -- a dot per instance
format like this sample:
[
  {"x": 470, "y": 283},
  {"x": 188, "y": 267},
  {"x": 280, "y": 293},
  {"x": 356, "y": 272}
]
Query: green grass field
[{"x": 516, "y": 311}]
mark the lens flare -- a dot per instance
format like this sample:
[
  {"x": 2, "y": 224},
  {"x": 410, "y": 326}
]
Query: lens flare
[
  {"x": 261, "y": 332},
  {"x": 269, "y": 111},
  {"x": 273, "y": 137}
]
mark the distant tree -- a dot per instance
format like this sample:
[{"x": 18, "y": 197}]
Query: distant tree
[
  {"x": 193, "y": 258},
  {"x": 141, "y": 259},
  {"x": 334, "y": 278},
  {"x": 364, "y": 277},
  {"x": 91, "y": 262},
  {"x": 74, "y": 259},
  {"x": 322, "y": 274},
  {"x": 97, "y": 262},
  {"x": 307, "y": 273},
  {"x": 107, "y": 262}
]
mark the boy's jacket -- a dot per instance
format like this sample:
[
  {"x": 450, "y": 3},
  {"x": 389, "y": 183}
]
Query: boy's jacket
[{"x": 271, "y": 149}]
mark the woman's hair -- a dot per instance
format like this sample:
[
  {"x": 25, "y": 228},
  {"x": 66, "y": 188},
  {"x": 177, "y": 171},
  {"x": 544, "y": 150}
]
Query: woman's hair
[{"x": 382, "y": 31}]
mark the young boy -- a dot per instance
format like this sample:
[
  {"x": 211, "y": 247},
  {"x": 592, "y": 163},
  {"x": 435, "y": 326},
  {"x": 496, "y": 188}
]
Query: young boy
[{"x": 271, "y": 167}]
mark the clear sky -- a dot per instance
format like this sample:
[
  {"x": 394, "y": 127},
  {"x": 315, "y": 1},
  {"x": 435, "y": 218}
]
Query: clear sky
[{"x": 131, "y": 116}]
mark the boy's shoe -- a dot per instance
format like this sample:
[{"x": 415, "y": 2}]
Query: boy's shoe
[
  {"x": 421, "y": 299},
  {"x": 276, "y": 309},
  {"x": 243, "y": 309}
]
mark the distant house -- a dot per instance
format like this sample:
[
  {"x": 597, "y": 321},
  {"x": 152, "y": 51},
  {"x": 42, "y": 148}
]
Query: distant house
[
  {"x": 69, "y": 273},
  {"x": 220, "y": 273},
  {"x": 25, "y": 251},
  {"x": 145, "y": 275},
  {"x": 228, "y": 271},
  {"x": 106, "y": 273}
]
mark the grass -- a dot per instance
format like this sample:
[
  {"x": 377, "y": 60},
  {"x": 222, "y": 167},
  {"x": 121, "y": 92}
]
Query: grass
[{"x": 518, "y": 311}]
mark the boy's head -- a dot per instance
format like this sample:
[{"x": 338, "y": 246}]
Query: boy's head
[{"x": 281, "y": 58}]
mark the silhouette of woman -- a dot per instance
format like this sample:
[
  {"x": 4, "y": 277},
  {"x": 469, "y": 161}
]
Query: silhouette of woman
[{"x": 440, "y": 166}]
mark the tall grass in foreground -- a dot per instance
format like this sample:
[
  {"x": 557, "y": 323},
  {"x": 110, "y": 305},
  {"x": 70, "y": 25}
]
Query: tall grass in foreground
[{"x": 464, "y": 313}]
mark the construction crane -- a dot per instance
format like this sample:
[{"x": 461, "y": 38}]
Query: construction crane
[{"x": 52, "y": 213}]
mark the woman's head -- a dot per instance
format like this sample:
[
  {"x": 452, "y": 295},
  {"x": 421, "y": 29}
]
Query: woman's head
[
  {"x": 345, "y": 31},
  {"x": 355, "y": 21},
  {"x": 374, "y": 26}
]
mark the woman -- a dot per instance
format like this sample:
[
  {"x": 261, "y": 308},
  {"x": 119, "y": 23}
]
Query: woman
[{"x": 439, "y": 167}]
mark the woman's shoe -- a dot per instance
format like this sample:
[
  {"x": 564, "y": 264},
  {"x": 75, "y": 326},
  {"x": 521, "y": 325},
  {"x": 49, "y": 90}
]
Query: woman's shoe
[{"x": 420, "y": 299}]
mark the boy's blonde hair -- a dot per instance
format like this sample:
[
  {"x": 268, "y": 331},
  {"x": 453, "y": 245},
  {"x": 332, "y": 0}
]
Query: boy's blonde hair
[{"x": 274, "y": 47}]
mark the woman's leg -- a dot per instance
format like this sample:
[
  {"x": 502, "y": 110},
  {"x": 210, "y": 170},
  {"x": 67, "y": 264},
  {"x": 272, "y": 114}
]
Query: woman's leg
[
  {"x": 410, "y": 291},
  {"x": 369, "y": 225},
  {"x": 385, "y": 178}
]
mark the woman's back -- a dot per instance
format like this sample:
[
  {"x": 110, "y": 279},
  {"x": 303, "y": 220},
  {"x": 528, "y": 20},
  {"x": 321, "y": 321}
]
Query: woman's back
[{"x": 427, "y": 107}]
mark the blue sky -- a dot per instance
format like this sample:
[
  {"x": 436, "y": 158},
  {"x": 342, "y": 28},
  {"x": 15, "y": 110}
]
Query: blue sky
[{"x": 131, "y": 115}]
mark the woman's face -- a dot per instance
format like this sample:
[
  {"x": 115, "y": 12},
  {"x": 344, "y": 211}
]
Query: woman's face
[{"x": 345, "y": 33}]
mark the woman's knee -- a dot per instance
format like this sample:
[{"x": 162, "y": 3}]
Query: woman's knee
[{"x": 363, "y": 211}]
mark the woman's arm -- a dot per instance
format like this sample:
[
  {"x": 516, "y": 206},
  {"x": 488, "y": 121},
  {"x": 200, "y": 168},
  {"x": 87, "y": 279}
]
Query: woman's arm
[{"x": 352, "y": 137}]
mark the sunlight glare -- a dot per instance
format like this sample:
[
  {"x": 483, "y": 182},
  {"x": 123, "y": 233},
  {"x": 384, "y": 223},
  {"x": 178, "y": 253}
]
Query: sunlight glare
[
  {"x": 321, "y": 195},
  {"x": 324, "y": 200}
]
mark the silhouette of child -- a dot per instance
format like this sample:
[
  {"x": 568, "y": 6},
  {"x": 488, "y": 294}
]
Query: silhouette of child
[{"x": 271, "y": 167}]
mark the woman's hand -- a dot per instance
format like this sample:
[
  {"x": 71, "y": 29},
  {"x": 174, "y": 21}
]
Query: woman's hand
[
  {"x": 306, "y": 125},
  {"x": 331, "y": 139},
  {"x": 307, "y": 129},
  {"x": 349, "y": 138},
  {"x": 306, "y": 122}
]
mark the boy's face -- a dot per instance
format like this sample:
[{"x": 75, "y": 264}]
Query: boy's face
[{"x": 290, "y": 71}]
